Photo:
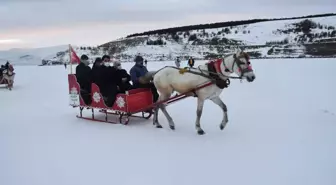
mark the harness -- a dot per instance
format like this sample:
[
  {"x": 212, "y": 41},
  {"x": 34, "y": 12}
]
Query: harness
[{"x": 215, "y": 74}]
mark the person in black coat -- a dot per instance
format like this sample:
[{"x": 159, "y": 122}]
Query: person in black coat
[
  {"x": 84, "y": 78},
  {"x": 108, "y": 82},
  {"x": 191, "y": 62},
  {"x": 96, "y": 71},
  {"x": 123, "y": 78}
]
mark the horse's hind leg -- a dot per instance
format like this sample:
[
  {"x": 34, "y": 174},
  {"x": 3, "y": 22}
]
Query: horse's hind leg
[
  {"x": 221, "y": 104},
  {"x": 164, "y": 110},
  {"x": 200, "y": 103}
]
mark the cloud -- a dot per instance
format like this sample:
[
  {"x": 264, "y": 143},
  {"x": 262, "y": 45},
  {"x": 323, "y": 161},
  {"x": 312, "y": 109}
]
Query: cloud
[
  {"x": 42, "y": 13},
  {"x": 48, "y": 22},
  {"x": 9, "y": 41}
]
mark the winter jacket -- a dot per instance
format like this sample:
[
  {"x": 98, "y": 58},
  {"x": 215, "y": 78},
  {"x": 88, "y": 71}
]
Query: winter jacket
[
  {"x": 191, "y": 62},
  {"x": 105, "y": 78},
  {"x": 136, "y": 72},
  {"x": 123, "y": 85},
  {"x": 84, "y": 76}
]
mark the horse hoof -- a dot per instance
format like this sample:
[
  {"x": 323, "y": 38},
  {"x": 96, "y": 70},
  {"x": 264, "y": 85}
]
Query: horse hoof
[
  {"x": 172, "y": 127},
  {"x": 158, "y": 126},
  {"x": 221, "y": 127},
  {"x": 200, "y": 132}
]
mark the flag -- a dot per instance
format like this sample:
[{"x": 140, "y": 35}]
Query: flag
[{"x": 74, "y": 59}]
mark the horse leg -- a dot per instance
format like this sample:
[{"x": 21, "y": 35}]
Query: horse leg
[
  {"x": 200, "y": 103},
  {"x": 155, "y": 119},
  {"x": 169, "y": 118},
  {"x": 156, "y": 115},
  {"x": 222, "y": 105}
]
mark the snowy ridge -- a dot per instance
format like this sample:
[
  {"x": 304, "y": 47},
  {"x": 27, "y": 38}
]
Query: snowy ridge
[
  {"x": 313, "y": 37},
  {"x": 257, "y": 37}
]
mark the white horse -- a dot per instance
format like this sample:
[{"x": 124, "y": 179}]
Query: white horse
[{"x": 170, "y": 79}]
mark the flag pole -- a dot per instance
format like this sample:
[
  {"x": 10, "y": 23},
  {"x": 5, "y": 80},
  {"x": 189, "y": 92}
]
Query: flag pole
[{"x": 70, "y": 59}]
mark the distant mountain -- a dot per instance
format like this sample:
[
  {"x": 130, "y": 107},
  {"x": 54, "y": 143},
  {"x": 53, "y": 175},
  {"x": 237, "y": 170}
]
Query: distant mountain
[
  {"x": 29, "y": 56},
  {"x": 310, "y": 36},
  {"x": 292, "y": 37}
]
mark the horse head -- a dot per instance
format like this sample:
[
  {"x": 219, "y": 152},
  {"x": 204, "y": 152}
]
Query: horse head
[{"x": 239, "y": 63}]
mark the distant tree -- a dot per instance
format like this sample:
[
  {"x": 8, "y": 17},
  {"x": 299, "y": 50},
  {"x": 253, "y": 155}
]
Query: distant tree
[
  {"x": 333, "y": 33},
  {"x": 192, "y": 37},
  {"x": 227, "y": 30}
]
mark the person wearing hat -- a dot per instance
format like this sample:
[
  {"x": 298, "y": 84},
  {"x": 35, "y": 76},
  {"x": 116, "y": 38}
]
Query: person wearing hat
[
  {"x": 139, "y": 70},
  {"x": 123, "y": 78},
  {"x": 84, "y": 78}
]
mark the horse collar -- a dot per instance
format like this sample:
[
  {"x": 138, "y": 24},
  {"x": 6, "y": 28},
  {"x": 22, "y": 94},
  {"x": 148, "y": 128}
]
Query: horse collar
[
  {"x": 226, "y": 68},
  {"x": 217, "y": 65}
]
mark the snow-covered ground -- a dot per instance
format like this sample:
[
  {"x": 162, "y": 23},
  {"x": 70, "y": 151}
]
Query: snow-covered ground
[{"x": 281, "y": 130}]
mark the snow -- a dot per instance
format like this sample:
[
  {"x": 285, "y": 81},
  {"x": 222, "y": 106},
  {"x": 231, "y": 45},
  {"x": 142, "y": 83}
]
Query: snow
[{"x": 281, "y": 130}]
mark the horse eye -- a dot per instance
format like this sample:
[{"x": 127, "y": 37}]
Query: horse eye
[{"x": 248, "y": 63}]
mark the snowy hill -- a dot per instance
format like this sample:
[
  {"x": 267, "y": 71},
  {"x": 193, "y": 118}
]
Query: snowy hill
[
  {"x": 27, "y": 56},
  {"x": 306, "y": 37},
  {"x": 283, "y": 38},
  {"x": 281, "y": 131}
]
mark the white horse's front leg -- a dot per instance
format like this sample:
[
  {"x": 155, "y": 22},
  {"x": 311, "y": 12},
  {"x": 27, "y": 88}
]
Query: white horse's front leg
[
  {"x": 221, "y": 104},
  {"x": 200, "y": 103},
  {"x": 156, "y": 119}
]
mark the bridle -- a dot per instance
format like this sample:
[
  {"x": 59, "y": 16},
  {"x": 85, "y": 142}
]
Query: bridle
[{"x": 239, "y": 64}]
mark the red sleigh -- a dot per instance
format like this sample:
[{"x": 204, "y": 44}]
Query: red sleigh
[{"x": 125, "y": 106}]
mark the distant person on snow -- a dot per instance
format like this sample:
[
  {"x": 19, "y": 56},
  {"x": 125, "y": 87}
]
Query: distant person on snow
[
  {"x": 146, "y": 63},
  {"x": 178, "y": 62},
  {"x": 65, "y": 65},
  {"x": 84, "y": 78},
  {"x": 191, "y": 62}
]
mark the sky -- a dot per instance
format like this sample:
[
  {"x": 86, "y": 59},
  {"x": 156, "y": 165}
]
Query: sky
[{"x": 42, "y": 23}]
